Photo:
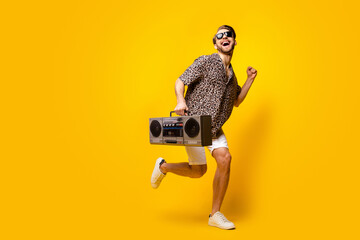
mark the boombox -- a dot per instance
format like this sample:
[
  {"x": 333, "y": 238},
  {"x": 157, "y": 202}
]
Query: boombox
[{"x": 181, "y": 130}]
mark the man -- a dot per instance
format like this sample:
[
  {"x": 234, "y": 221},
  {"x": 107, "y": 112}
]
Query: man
[{"x": 212, "y": 90}]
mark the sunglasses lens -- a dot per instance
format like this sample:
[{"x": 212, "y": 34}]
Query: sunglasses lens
[
  {"x": 219, "y": 36},
  {"x": 228, "y": 34}
]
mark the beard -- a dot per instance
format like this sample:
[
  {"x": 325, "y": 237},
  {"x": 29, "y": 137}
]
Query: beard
[{"x": 221, "y": 49}]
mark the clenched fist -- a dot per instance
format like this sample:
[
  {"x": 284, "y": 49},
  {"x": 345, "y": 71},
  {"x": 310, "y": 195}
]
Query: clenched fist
[
  {"x": 251, "y": 72},
  {"x": 181, "y": 109}
]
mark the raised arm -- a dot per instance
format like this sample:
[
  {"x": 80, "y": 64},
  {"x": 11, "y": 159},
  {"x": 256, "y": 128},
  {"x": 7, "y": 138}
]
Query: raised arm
[
  {"x": 179, "y": 92},
  {"x": 251, "y": 72}
]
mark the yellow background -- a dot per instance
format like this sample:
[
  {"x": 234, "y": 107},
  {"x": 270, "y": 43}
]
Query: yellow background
[{"x": 80, "y": 79}]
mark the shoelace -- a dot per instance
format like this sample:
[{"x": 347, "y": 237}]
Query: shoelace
[{"x": 223, "y": 218}]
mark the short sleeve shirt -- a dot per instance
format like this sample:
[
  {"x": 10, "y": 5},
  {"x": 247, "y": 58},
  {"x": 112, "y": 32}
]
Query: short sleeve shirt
[{"x": 210, "y": 91}]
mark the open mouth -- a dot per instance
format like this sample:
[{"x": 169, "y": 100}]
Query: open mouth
[{"x": 225, "y": 44}]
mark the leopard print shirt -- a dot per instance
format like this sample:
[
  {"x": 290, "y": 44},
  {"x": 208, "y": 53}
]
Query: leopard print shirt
[{"x": 209, "y": 91}]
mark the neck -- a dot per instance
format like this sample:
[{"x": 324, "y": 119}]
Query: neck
[{"x": 226, "y": 58}]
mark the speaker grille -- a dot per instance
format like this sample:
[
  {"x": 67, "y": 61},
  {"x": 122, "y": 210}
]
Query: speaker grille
[
  {"x": 155, "y": 128},
  {"x": 192, "y": 128}
]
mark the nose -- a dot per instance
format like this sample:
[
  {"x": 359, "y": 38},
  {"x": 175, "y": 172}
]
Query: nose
[{"x": 224, "y": 37}]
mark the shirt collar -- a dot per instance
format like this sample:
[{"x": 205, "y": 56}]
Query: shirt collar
[{"x": 230, "y": 67}]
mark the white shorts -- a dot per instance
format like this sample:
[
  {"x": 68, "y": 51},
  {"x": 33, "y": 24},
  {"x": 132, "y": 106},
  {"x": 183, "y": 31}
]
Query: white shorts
[{"x": 197, "y": 154}]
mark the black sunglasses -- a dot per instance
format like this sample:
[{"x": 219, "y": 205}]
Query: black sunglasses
[{"x": 220, "y": 35}]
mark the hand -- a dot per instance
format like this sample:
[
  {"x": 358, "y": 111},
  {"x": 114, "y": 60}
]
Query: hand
[
  {"x": 251, "y": 72},
  {"x": 180, "y": 108}
]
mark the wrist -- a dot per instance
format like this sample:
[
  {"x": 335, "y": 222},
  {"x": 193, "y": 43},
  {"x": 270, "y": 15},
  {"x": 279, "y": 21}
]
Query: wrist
[{"x": 181, "y": 101}]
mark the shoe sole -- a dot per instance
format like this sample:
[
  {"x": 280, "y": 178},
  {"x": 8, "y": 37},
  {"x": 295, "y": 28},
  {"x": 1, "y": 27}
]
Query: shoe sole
[
  {"x": 157, "y": 162},
  {"x": 213, "y": 225}
]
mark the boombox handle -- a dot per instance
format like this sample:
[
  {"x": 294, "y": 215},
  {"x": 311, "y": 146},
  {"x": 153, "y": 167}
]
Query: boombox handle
[{"x": 174, "y": 112}]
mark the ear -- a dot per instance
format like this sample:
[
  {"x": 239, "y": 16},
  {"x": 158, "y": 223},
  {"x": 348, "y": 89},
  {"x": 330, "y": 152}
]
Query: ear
[
  {"x": 215, "y": 46},
  {"x": 235, "y": 42}
]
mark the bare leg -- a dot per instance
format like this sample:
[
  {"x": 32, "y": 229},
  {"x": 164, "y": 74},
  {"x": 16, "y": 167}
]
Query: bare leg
[
  {"x": 221, "y": 178},
  {"x": 184, "y": 169}
]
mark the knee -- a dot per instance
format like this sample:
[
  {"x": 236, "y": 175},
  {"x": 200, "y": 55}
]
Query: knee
[
  {"x": 224, "y": 161},
  {"x": 200, "y": 171}
]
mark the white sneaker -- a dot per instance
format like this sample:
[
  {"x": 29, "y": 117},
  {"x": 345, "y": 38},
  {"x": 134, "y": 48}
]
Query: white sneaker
[
  {"x": 157, "y": 175},
  {"x": 220, "y": 221}
]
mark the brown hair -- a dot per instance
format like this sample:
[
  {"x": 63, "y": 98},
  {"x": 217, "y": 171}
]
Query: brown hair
[{"x": 225, "y": 27}]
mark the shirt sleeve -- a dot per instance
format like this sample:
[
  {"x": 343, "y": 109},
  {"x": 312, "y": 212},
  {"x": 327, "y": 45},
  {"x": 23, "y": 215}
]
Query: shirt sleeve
[
  {"x": 238, "y": 88},
  {"x": 194, "y": 72}
]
